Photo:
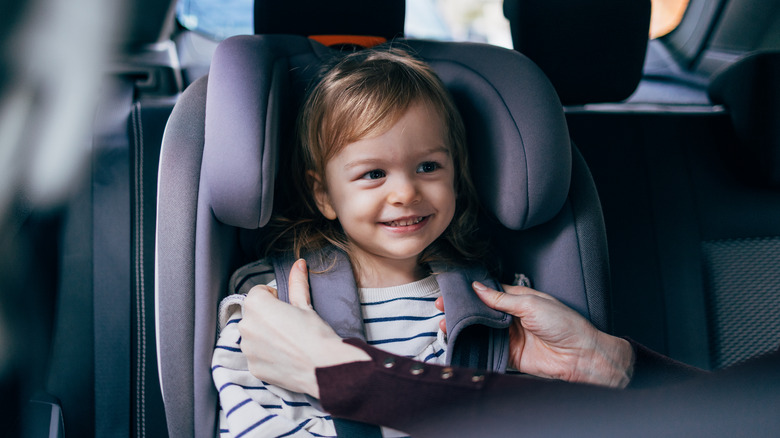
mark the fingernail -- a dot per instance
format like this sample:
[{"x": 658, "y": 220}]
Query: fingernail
[
  {"x": 301, "y": 265},
  {"x": 479, "y": 286}
]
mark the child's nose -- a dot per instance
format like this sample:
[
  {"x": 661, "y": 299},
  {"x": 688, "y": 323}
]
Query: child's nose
[{"x": 404, "y": 192}]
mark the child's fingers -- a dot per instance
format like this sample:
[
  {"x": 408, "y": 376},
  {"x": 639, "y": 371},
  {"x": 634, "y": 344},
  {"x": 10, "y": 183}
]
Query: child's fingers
[
  {"x": 439, "y": 303},
  {"x": 299, "y": 285},
  {"x": 443, "y": 325}
]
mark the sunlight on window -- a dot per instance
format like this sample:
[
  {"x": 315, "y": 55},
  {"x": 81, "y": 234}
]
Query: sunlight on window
[
  {"x": 458, "y": 20},
  {"x": 665, "y": 16}
]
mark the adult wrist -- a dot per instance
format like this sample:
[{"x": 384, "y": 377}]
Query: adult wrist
[
  {"x": 611, "y": 363},
  {"x": 333, "y": 353}
]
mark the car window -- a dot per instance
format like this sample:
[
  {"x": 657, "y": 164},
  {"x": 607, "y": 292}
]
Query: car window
[{"x": 448, "y": 20}]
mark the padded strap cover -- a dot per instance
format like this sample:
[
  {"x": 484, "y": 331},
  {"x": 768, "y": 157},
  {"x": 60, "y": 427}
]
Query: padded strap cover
[{"x": 335, "y": 298}]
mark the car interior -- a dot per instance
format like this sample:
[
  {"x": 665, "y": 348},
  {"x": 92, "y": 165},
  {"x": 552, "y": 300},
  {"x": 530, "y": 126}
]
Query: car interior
[{"x": 636, "y": 179}]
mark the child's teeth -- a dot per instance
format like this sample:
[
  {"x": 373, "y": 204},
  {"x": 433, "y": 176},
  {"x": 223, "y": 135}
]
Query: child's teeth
[{"x": 407, "y": 222}]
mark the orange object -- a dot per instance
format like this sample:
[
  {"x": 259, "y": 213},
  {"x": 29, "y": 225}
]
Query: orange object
[{"x": 358, "y": 40}]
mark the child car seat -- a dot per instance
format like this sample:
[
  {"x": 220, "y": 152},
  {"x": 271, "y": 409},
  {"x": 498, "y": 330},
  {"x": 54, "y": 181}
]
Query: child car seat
[{"x": 221, "y": 153}]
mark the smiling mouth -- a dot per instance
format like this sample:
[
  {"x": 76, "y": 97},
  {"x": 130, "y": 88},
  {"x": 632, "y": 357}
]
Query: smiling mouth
[{"x": 406, "y": 222}]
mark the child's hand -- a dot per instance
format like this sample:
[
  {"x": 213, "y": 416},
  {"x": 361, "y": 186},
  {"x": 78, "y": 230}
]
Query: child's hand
[
  {"x": 439, "y": 303},
  {"x": 549, "y": 339},
  {"x": 285, "y": 343}
]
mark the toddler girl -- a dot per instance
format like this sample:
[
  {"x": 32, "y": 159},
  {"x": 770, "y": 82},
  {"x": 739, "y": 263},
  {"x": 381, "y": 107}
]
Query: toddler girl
[{"x": 381, "y": 174}]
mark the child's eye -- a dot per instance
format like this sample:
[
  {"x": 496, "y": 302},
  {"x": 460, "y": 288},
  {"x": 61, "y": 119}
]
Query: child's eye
[
  {"x": 374, "y": 174},
  {"x": 428, "y": 167}
]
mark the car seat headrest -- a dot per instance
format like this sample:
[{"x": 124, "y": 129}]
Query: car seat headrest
[
  {"x": 592, "y": 51},
  {"x": 383, "y": 19},
  {"x": 750, "y": 90},
  {"x": 519, "y": 147}
]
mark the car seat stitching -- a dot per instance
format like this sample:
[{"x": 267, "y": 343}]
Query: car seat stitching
[{"x": 140, "y": 289}]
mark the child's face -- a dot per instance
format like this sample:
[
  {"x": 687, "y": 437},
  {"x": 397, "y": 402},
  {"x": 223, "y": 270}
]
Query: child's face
[{"x": 393, "y": 194}]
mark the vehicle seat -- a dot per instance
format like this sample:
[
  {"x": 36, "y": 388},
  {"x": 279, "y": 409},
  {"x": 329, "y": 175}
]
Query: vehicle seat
[
  {"x": 592, "y": 51},
  {"x": 227, "y": 138},
  {"x": 741, "y": 254}
]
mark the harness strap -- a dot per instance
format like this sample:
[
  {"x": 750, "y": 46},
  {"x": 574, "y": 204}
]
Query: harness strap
[
  {"x": 338, "y": 305},
  {"x": 331, "y": 272}
]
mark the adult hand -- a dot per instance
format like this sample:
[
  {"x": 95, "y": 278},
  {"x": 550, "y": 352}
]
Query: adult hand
[
  {"x": 284, "y": 343},
  {"x": 549, "y": 339}
]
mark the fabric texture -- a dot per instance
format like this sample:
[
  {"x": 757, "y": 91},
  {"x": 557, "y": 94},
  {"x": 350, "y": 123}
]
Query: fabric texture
[{"x": 742, "y": 278}]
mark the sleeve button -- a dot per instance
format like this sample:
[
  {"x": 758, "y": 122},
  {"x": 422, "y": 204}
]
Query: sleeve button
[
  {"x": 389, "y": 362},
  {"x": 447, "y": 373},
  {"x": 477, "y": 377},
  {"x": 417, "y": 369}
]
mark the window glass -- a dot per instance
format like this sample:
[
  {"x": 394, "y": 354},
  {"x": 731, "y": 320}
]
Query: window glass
[
  {"x": 217, "y": 19},
  {"x": 458, "y": 20},
  {"x": 665, "y": 16},
  {"x": 449, "y": 20}
]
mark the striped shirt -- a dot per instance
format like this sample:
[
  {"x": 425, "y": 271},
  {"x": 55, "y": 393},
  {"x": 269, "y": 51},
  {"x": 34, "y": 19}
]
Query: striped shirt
[{"x": 401, "y": 320}]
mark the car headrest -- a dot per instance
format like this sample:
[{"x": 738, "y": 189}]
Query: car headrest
[
  {"x": 343, "y": 17},
  {"x": 592, "y": 51},
  {"x": 519, "y": 147},
  {"x": 750, "y": 90}
]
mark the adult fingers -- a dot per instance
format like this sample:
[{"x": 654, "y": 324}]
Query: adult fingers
[
  {"x": 299, "y": 285},
  {"x": 523, "y": 290},
  {"x": 262, "y": 289},
  {"x": 511, "y": 303}
]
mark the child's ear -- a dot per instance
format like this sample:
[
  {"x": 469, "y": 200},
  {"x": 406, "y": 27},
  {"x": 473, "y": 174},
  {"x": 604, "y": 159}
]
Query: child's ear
[{"x": 320, "y": 195}]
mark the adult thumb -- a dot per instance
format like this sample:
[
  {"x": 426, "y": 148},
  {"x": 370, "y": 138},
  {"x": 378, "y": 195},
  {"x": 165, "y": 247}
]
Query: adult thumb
[
  {"x": 492, "y": 298},
  {"x": 299, "y": 285}
]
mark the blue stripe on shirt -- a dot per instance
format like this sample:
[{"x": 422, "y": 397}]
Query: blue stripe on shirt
[
  {"x": 258, "y": 388},
  {"x": 254, "y": 426},
  {"x": 432, "y": 355},
  {"x": 375, "y": 303},
  {"x": 391, "y": 340},
  {"x": 401, "y": 318},
  {"x": 294, "y": 404},
  {"x": 233, "y": 409},
  {"x": 300, "y": 426}
]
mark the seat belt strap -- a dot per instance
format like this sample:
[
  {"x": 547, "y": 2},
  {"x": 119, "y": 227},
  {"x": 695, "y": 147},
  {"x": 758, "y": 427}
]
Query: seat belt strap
[{"x": 111, "y": 254}]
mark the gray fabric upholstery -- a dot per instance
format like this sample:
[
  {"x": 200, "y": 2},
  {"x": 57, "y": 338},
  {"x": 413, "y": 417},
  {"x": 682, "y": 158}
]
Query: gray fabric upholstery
[
  {"x": 521, "y": 159},
  {"x": 742, "y": 276},
  {"x": 175, "y": 260}
]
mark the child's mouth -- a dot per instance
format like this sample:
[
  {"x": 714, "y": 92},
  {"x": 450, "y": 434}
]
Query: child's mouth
[{"x": 406, "y": 222}]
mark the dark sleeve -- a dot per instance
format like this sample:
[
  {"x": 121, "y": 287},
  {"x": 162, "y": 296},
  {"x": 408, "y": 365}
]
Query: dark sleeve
[
  {"x": 652, "y": 369},
  {"x": 431, "y": 401}
]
